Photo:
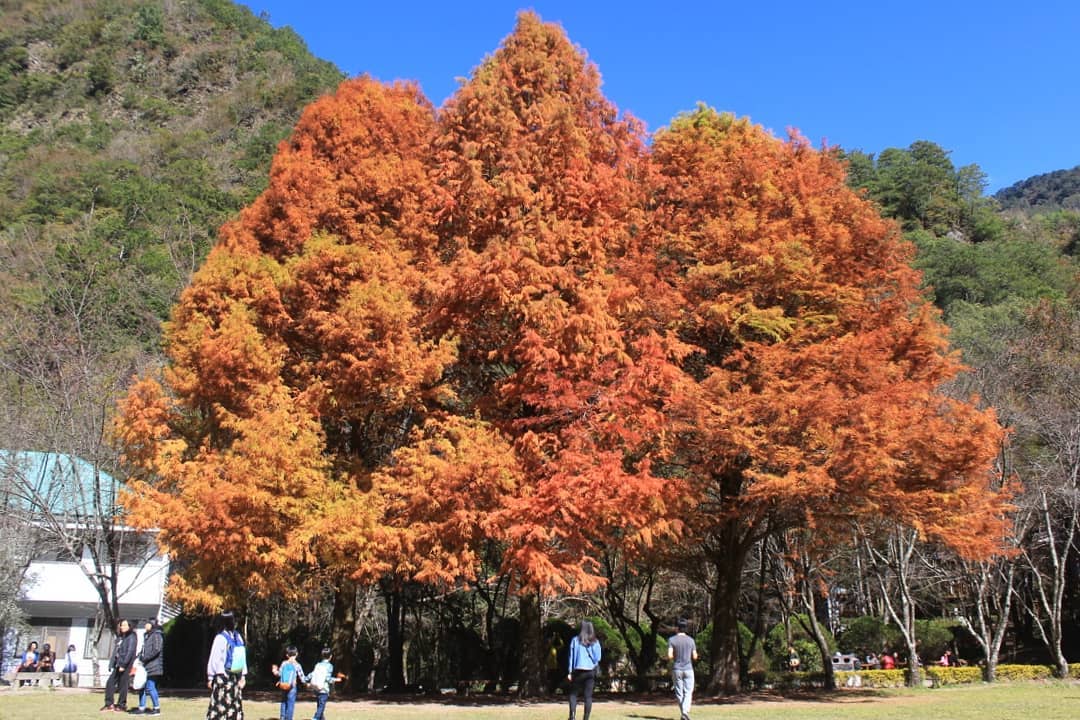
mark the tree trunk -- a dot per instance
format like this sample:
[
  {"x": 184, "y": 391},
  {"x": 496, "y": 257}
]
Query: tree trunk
[
  {"x": 914, "y": 674},
  {"x": 724, "y": 645},
  {"x": 816, "y": 631},
  {"x": 531, "y": 682},
  {"x": 395, "y": 641},
  {"x": 344, "y": 629}
]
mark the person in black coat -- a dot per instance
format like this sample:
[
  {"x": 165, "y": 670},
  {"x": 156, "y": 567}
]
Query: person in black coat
[
  {"x": 120, "y": 667},
  {"x": 153, "y": 659}
]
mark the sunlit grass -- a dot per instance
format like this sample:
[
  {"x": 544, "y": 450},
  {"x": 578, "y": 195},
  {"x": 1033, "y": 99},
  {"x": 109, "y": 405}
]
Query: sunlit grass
[{"x": 1028, "y": 701}]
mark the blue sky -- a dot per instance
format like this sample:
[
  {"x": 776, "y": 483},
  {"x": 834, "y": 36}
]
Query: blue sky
[{"x": 996, "y": 83}]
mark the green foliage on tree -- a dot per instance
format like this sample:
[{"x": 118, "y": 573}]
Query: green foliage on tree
[
  {"x": 776, "y": 645},
  {"x": 921, "y": 188},
  {"x": 991, "y": 272},
  {"x": 868, "y": 634}
]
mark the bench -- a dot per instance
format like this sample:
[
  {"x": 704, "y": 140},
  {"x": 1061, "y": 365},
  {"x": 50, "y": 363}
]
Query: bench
[{"x": 47, "y": 679}]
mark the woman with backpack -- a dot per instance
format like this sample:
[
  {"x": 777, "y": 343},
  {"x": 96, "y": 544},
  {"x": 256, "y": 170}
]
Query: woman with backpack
[{"x": 226, "y": 671}]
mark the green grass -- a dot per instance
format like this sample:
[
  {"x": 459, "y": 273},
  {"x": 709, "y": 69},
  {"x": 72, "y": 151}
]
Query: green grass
[{"x": 1028, "y": 701}]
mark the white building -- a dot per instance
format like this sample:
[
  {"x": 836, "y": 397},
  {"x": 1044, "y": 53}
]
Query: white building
[{"x": 57, "y": 595}]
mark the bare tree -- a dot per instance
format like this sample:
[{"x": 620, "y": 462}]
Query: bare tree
[
  {"x": 1044, "y": 370},
  {"x": 891, "y": 558},
  {"x": 64, "y": 367},
  {"x": 800, "y": 567}
]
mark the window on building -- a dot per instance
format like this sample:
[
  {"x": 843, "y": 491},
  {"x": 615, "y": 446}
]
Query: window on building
[
  {"x": 105, "y": 645},
  {"x": 52, "y": 631},
  {"x": 135, "y": 548}
]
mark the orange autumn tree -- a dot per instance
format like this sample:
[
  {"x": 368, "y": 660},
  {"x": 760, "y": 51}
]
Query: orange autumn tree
[
  {"x": 544, "y": 180},
  {"x": 512, "y": 324},
  {"x": 810, "y": 388},
  {"x": 297, "y": 363}
]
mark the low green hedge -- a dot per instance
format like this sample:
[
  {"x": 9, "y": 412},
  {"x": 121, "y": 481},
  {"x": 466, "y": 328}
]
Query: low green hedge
[
  {"x": 874, "y": 678},
  {"x": 953, "y": 675},
  {"x": 1033, "y": 672},
  {"x": 941, "y": 676},
  {"x": 938, "y": 676}
]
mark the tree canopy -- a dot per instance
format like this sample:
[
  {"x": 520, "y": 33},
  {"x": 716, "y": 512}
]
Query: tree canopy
[{"x": 512, "y": 321}]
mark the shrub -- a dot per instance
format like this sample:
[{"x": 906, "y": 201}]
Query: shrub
[
  {"x": 934, "y": 636},
  {"x": 868, "y": 634},
  {"x": 1025, "y": 672},
  {"x": 874, "y": 678},
  {"x": 613, "y": 647},
  {"x": 954, "y": 675},
  {"x": 809, "y": 655}
]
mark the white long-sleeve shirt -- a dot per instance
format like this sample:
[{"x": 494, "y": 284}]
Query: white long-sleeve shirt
[{"x": 215, "y": 664}]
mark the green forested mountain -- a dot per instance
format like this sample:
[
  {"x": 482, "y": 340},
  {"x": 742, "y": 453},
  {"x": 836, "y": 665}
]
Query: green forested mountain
[
  {"x": 974, "y": 254},
  {"x": 1056, "y": 190},
  {"x": 129, "y": 130}
]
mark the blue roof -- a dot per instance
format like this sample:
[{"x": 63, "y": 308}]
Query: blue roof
[{"x": 56, "y": 482}]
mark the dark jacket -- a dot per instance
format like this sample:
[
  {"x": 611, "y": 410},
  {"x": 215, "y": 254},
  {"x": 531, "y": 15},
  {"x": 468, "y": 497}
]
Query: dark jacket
[
  {"x": 152, "y": 653},
  {"x": 124, "y": 654}
]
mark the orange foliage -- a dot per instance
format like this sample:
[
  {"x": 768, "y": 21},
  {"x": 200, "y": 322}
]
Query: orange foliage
[
  {"x": 811, "y": 380},
  {"x": 512, "y": 322},
  {"x": 297, "y": 358}
]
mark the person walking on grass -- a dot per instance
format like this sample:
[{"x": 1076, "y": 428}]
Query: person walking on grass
[
  {"x": 581, "y": 671},
  {"x": 682, "y": 652},
  {"x": 226, "y": 671},
  {"x": 321, "y": 680},
  {"x": 289, "y": 675}
]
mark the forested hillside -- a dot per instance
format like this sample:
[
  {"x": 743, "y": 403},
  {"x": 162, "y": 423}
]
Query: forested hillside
[
  {"x": 129, "y": 131},
  {"x": 1056, "y": 190}
]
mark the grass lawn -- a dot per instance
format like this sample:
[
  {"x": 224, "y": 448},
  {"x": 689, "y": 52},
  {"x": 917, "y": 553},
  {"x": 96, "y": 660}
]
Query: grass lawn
[{"x": 1025, "y": 701}]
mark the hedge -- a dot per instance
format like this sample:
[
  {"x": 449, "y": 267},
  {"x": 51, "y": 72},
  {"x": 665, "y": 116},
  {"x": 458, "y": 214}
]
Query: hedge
[{"x": 940, "y": 676}]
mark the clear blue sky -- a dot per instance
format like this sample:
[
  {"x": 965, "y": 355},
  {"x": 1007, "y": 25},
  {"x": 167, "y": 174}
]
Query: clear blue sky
[{"x": 996, "y": 83}]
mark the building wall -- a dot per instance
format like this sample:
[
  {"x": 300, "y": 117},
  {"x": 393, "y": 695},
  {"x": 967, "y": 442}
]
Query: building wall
[{"x": 61, "y": 603}]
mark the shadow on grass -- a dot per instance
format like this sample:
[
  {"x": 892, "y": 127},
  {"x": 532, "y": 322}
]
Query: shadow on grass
[{"x": 846, "y": 696}]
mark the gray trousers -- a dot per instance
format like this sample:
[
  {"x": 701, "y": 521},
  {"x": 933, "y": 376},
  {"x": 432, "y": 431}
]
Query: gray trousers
[{"x": 683, "y": 681}]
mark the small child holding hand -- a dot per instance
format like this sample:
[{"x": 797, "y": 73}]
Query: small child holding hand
[
  {"x": 322, "y": 677},
  {"x": 289, "y": 675}
]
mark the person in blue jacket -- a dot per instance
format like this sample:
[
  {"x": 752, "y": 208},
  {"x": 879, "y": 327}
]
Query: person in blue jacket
[{"x": 583, "y": 659}]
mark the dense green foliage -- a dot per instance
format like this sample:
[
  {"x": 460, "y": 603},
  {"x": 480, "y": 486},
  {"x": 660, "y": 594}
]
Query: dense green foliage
[
  {"x": 129, "y": 131},
  {"x": 920, "y": 187},
  {"x": 982, "y": 266},
  {"x": 1058, "y": 189}
]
